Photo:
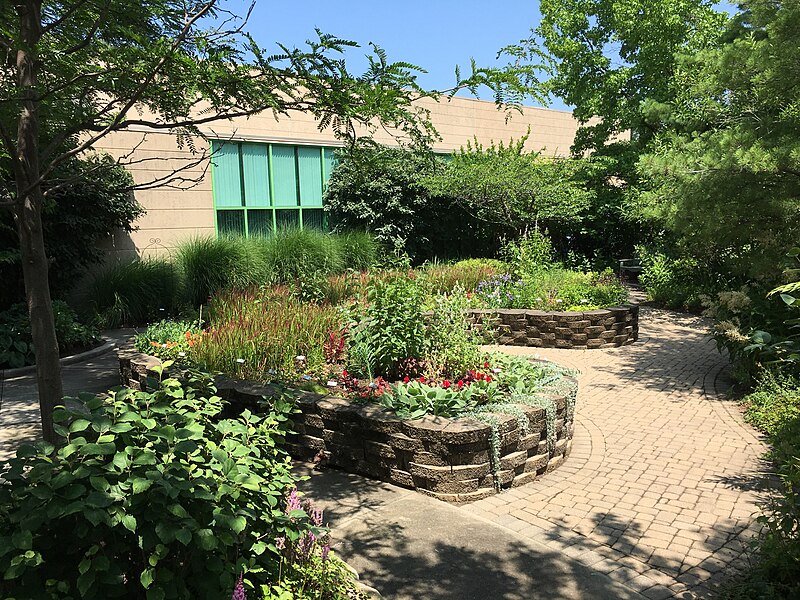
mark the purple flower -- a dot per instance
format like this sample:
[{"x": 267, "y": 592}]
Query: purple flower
[
  {"x": 325, "y": 549},
  {"x": 238, "y": 591},
  {"x": 293, "y": 502}
]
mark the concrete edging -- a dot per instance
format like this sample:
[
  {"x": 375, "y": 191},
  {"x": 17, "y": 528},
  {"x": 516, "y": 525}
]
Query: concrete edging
[{"x": 10, "y": 374}]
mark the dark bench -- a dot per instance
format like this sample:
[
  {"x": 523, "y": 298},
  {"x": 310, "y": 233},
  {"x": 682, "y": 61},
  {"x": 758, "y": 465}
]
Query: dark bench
[{"x": 630, "y": 265}]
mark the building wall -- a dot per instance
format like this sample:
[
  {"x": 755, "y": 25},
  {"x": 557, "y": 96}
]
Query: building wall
[{"x": 174, "y": 214}]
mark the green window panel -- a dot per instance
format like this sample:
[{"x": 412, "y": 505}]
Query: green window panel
[
  {"x": 230, "y": 222},
  {"x": 284, "y": 176},
  {"x": 309, "y": 162},
  {"x": 313, "y": 218},
  {"x": 287, "y": 218},
  {"x": 256, "y": 174},
  {"x": 259, "y": 222},
  {"x": 328, "y": 162},
  {"x": 227, "y": 175}
]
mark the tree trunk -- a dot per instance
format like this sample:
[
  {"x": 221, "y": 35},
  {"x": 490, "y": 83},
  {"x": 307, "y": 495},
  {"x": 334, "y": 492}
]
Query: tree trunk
[{"x": 28, "y": 218}]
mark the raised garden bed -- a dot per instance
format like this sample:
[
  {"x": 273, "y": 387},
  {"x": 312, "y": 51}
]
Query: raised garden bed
[
  {"x": 591, "y": 329},
  {"x": 455, "y": 460}
]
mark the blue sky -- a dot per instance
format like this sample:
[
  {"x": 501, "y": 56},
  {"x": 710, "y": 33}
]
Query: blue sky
[{"x": 434, "y": 34}]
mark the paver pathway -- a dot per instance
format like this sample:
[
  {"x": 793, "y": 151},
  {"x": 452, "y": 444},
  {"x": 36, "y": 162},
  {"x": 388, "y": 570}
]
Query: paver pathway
[{"x": 662, "y": 483}]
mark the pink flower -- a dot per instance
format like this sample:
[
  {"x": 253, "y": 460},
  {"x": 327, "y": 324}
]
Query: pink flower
[{"x": 238, "y": 591}]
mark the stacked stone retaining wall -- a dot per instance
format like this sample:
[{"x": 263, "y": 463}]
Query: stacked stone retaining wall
[
  {"x": 607, "y": 327},
  {"x": 449, "y": 459}
]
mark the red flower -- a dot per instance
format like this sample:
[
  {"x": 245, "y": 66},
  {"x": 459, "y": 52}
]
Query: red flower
[
  {"x": 406, "y": 379},
  {"x": 486, "y": 365},
  {"x": 488, "y": 378},
  {"x": 446, "y": 384},
  {"x": 421, "y": 380},
  {"x": 460, "y": 383},
  {"x": 344, "y": 373}
]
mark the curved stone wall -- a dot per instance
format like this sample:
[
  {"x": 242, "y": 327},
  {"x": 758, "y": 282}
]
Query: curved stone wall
[
  {"x": 607, "y": 327},
  {"x": 449, "y": 459}
]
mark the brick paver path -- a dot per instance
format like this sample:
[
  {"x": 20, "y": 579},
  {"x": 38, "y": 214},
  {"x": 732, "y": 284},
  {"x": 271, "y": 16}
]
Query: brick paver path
[{"x": 661, "y": 487}]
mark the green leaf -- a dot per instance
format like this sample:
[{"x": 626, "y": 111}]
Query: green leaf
[
  {"x": 147, "y": 577},
  {"x": 238, "y": 524},
  {"x": 206, "y": 539},
  {"x": 128, "y": 522},
  {"x": 184, "y": 536},
  {"x": 22, "y": 539},
  {"x": 140, "y": 484},
  {"x": 78, "y": 425},
  {"x": 99, "y": 449}
]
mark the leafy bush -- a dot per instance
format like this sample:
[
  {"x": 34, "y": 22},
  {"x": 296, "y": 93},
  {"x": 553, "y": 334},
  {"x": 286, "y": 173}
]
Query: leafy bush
[
  {"x": 169, "y": 340},
  {"x": 390, "y": 328},
  {"x": 74, "y": 220},
  {"x": 530, "y": 254},
  {"x": 16, "y": 342},
  {"x": 135, "y": 293},
  {"x": 673, "y": 283},
  {"x": 152, "y": 494},
  {"x": 451, "y": 348},
  {"x": 382, "y": 190},
  {"x": 258, "y": 334},
  {"x": 774, "y": 407}
]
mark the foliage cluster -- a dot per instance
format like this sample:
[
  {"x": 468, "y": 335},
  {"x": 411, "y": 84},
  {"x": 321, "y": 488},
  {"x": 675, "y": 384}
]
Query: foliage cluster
[
  {"x": 152, "y": 494},
  {"x": 170, "y": 340},
  {"x": 774, "y": 408},
  {"x": 265, "y": 334},
  {"x": 16, "y": 343},
  {"x": 142, "y": 291},
  {"x": 75, "y": 220},
  {"x": 389, "y": 327}
]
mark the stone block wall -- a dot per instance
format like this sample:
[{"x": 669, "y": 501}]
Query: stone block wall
[
  {"x": 449, "y": 459},
  {"x": 607, "y": 327}
]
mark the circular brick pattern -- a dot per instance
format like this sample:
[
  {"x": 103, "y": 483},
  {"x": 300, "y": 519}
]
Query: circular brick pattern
[{"x": 591, "y": 329}]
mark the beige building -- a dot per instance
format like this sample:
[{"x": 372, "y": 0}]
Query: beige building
[{"x": 267, "y": 172}]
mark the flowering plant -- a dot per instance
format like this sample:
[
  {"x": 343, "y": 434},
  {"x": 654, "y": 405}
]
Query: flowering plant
[{"x": 501, "y": 292}]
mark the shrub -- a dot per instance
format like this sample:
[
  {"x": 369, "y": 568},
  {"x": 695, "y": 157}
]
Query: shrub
[
  {"x": 451, "y": 348},
  {"x": 75, "y": 219},
  {"x": 209, "y": 265},
  {"x": 258, "y": 334},
  {"x": 679, "y": 283},
  {"x": 390, "y": 328},
  {"x": 530, "y": 254},
  {"x": 16, "y": 341},
  {"x": 152, "y": 494},
  {"x": 135, "y": 293},
  {"x": 774, "y": 407},
  {"x": 169, "y": 340}
]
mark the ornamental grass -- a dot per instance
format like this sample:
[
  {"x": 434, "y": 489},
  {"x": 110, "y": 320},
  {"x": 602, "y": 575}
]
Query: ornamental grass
[{"x": 261, "y": 333}]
